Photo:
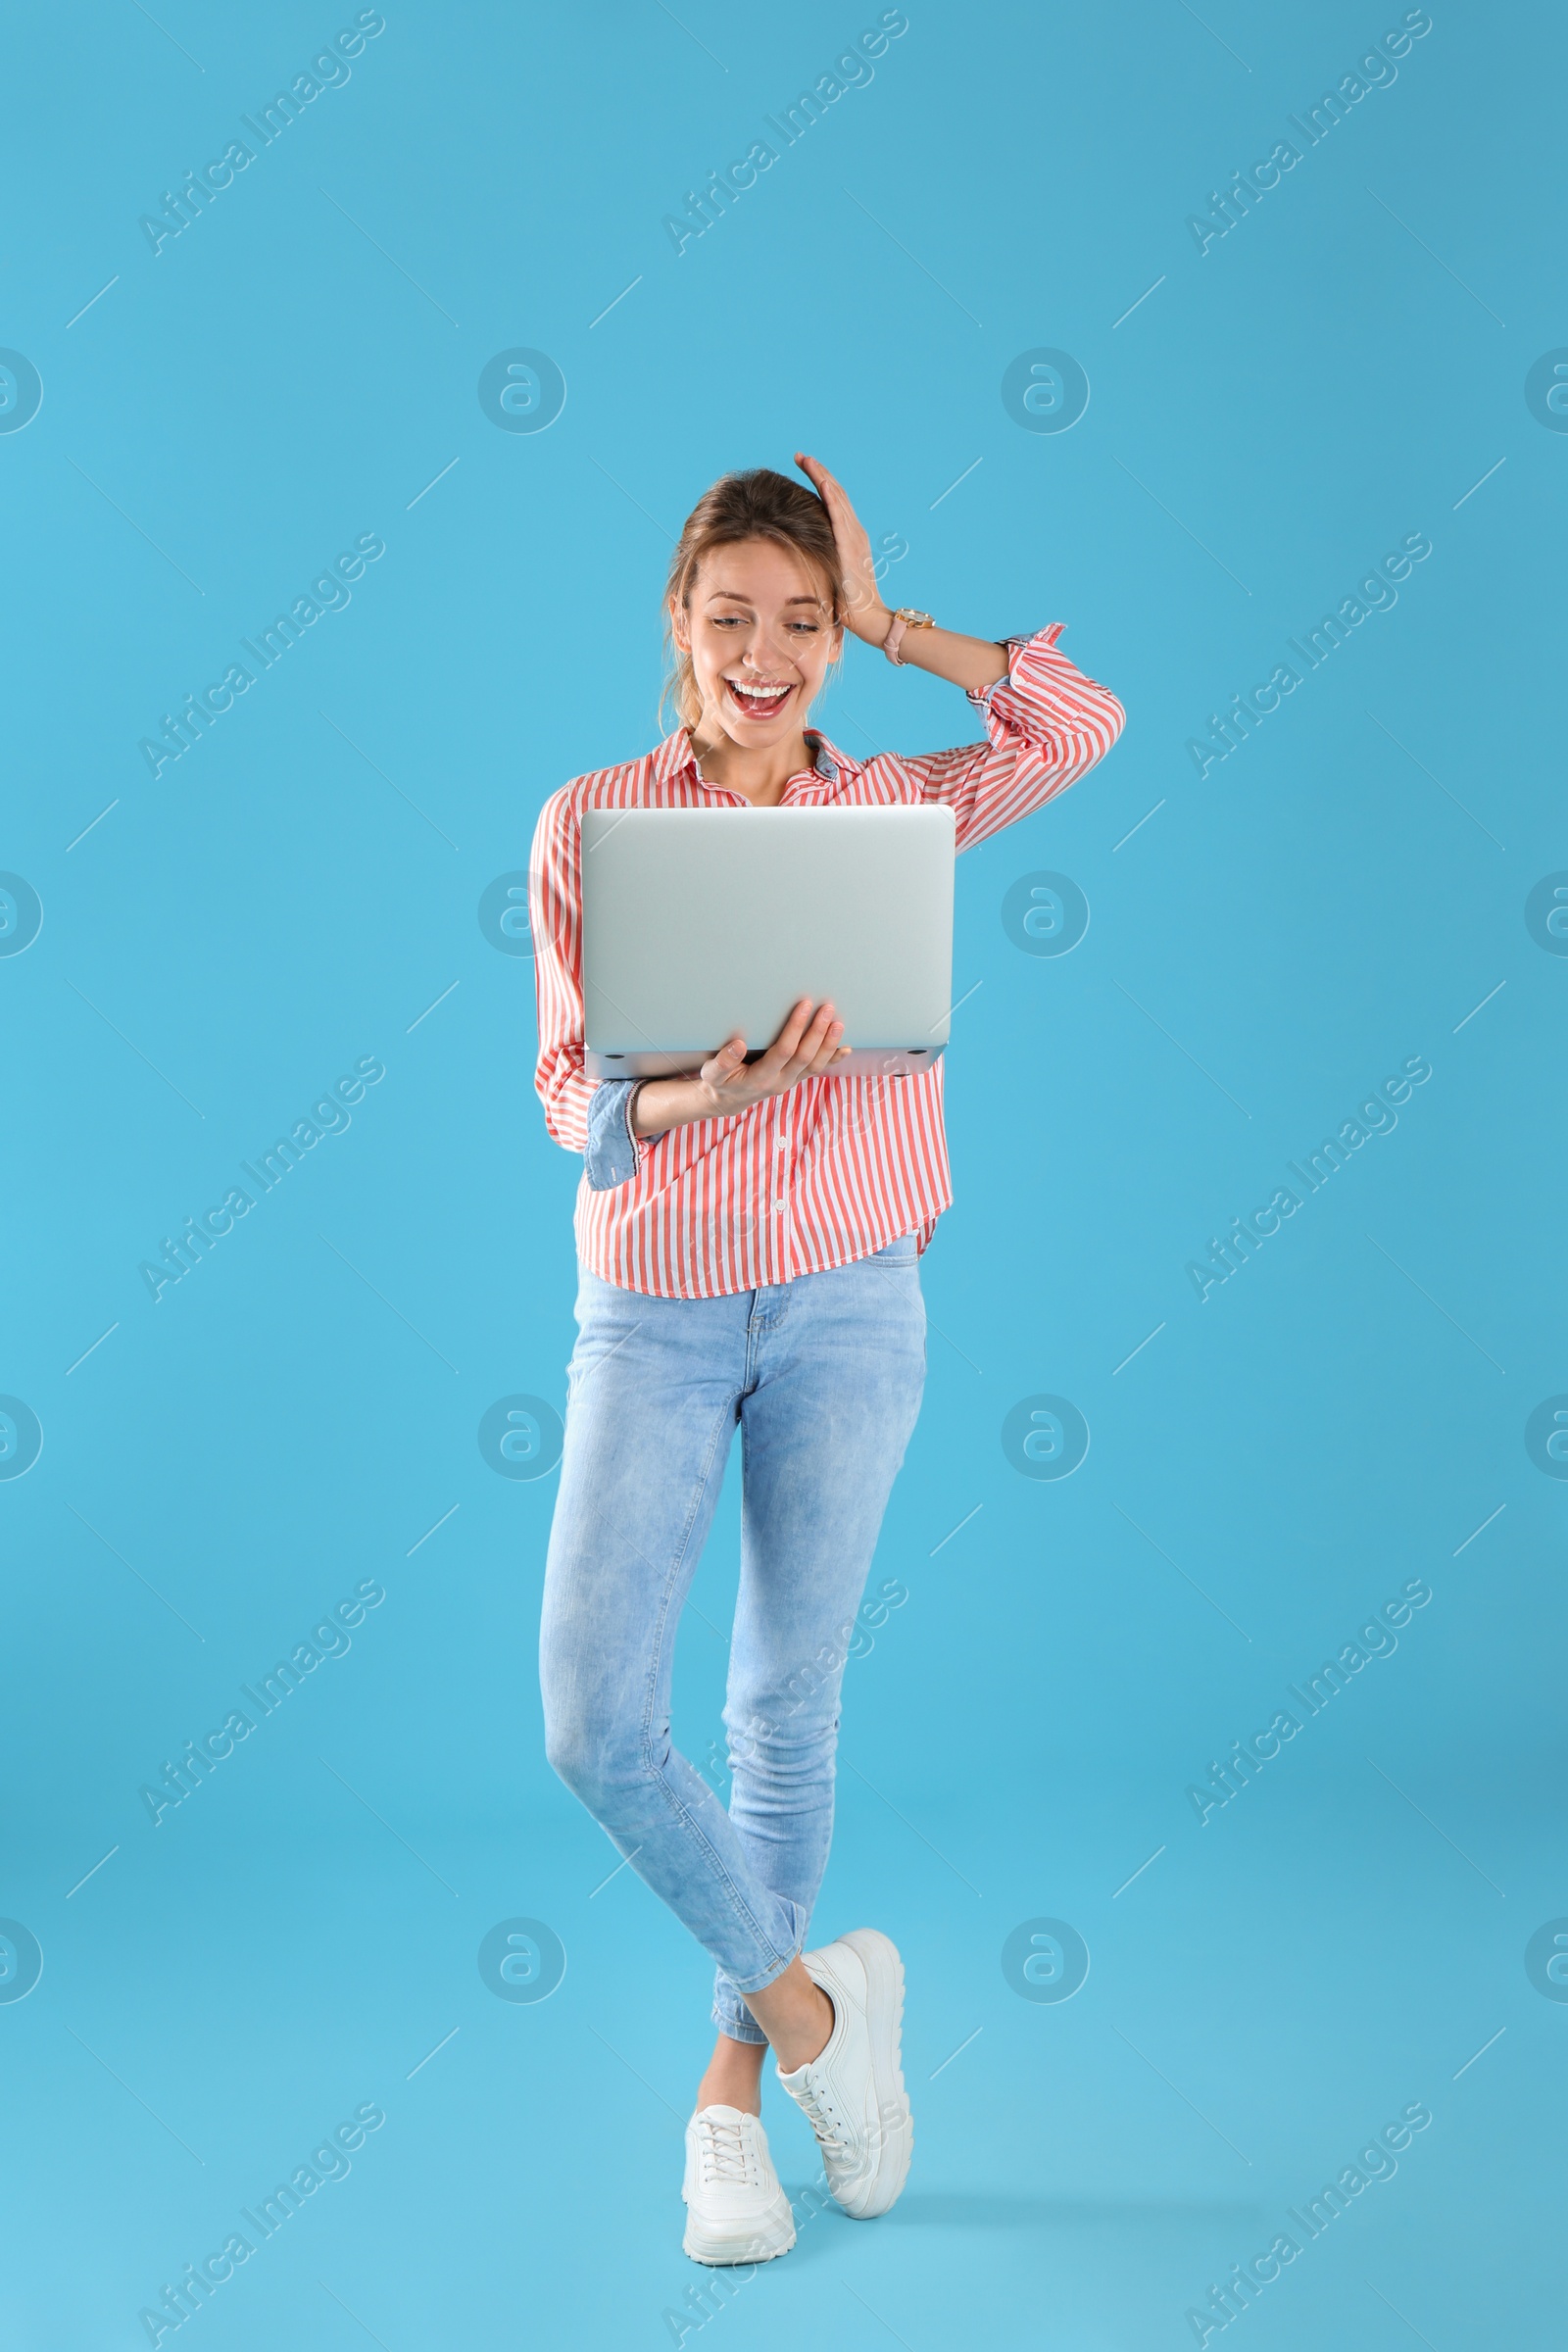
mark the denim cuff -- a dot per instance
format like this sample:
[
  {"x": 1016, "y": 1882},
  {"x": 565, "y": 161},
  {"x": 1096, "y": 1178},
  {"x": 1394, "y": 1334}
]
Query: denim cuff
[
  {"x": 736, "y": 2022},
  {"x": 730, "y": 2014},
  {"x": 612, "y": 1153},
  {"x": 980, "y": 696}
]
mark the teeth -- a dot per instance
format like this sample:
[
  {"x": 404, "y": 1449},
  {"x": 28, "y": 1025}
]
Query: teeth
[{"x": 760, "y": 694}]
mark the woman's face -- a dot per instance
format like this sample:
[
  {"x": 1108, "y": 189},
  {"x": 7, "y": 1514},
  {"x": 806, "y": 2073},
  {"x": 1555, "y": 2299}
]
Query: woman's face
[{"x": 760, "y": 636}]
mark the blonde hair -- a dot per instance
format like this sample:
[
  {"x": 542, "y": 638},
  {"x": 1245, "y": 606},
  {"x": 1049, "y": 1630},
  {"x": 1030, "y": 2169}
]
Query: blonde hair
[{"x": 756, "y": 505}]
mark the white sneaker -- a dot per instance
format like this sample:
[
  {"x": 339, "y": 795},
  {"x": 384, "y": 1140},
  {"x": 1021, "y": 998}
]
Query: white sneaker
[
  {"x": 735, "y": 2208},
  {"x": 852, "y": 2093}
]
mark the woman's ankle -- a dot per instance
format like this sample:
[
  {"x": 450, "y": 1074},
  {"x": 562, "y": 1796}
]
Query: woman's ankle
[
  {"x": 734, "y": 2077},
  {"x": 807, "y": 2037},
  {"x": 796, "y": 2015}
]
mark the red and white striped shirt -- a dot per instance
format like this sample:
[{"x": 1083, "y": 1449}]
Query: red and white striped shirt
[{"x": 834, "y": 1168}]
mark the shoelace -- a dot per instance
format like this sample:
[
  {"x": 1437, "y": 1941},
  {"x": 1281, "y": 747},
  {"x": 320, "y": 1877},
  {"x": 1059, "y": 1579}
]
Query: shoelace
[
  {"x": 830, "y": 2132},
  {"x": 722, "y": 2149}
]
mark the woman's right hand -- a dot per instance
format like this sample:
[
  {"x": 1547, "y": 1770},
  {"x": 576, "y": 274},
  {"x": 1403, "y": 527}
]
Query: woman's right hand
[{"x": 807, "y": 1047}]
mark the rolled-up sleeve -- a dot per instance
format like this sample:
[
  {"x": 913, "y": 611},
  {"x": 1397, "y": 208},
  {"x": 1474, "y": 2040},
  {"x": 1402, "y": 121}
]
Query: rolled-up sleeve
[
  {"x": 555, "y": 912},
  {"x": 1045, "y": 725},
  {"x": 613, "y": 1155}
]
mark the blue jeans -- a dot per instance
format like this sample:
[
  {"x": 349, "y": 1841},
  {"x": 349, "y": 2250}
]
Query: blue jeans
[{"x": 824, "y": 1375}]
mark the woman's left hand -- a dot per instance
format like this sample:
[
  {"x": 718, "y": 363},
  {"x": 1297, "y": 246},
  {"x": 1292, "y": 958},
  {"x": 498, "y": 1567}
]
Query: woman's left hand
[{"x": 865, "y": 614}]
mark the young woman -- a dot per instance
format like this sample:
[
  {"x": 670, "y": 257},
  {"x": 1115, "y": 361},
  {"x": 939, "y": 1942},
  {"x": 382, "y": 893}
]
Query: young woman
[{"x": 748, "y": 1242}]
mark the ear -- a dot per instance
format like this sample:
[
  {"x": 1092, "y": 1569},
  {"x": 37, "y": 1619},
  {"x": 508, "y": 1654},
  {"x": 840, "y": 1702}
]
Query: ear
[{"x": 681, "y": 627}]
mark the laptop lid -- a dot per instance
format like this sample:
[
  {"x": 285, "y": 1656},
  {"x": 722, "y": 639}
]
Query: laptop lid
[{"x": 698, "y": 922}]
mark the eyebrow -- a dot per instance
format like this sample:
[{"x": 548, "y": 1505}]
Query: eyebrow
[{"x": 730, "y": 596}]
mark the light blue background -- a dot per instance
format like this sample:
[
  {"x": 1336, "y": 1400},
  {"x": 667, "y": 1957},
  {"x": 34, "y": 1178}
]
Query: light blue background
[{"x": 292, "y": 895}]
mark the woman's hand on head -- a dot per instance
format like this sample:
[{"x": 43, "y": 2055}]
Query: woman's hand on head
[
  {"x": 865, "y": 614},
  {"x": 807, "y": 1047}
]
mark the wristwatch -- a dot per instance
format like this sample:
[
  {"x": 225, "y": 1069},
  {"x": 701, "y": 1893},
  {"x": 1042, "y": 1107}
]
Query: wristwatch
[{"x": 905, "y": 618}]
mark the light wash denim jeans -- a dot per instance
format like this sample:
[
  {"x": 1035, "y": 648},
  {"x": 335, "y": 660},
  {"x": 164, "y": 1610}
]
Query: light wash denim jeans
[{"x": 824, "y": 1375}]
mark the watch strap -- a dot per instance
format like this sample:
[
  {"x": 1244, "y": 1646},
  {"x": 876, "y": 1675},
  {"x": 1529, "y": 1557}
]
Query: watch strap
[{"x": 907, "y": 617}]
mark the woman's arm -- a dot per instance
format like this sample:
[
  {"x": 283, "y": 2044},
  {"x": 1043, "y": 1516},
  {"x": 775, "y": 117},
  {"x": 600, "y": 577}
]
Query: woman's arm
[
  {"x": 555, "y": 920},
  {"x": 807, "y": 1044},
  {"x": 1045, "y": 724},
  {"x": 972, "y": 662}
]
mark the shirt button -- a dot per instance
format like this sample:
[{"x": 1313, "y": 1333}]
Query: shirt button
[{"x": 780, "y": 1205}]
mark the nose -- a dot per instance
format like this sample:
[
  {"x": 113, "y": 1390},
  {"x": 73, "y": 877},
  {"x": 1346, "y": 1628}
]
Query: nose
[{"x": 761, "y": 654}]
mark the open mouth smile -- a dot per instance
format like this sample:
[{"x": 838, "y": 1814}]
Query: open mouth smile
[{"x": 764, "y": 699}]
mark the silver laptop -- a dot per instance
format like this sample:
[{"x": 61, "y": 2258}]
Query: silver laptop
[{"x": 698, "y": 922}]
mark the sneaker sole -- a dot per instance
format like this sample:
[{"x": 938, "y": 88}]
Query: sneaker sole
[
  {"x": 884, "y": 2017},
  {"x": 719, "y": 2252}
]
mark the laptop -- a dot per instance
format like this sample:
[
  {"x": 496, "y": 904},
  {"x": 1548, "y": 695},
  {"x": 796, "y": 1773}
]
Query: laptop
[{"x": 701, "y": 922}]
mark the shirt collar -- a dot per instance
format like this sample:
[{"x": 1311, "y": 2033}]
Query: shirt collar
[{"x": 830, "y": 768}]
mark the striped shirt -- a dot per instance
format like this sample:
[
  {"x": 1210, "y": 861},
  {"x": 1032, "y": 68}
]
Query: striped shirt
[{"x": 834, "y": 1168}]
